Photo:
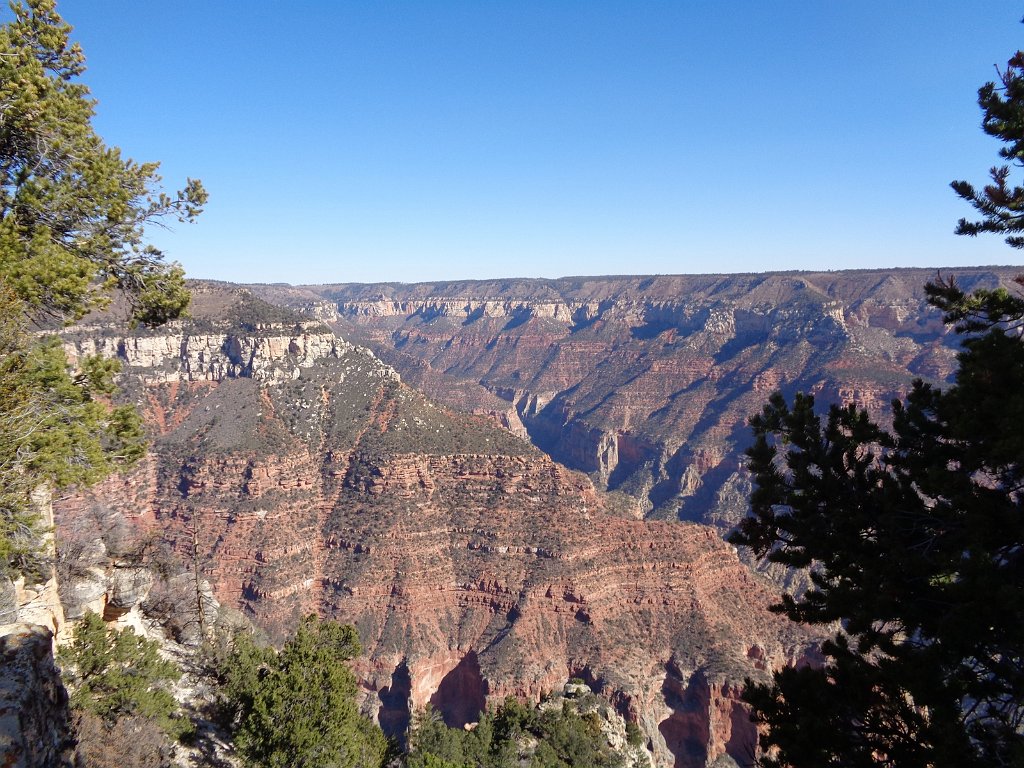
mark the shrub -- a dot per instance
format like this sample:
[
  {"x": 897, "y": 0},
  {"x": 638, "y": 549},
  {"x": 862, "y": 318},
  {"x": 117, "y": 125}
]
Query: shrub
[
  {"x": 117, "y": 674},
  {"x": 298, "y": 706}
]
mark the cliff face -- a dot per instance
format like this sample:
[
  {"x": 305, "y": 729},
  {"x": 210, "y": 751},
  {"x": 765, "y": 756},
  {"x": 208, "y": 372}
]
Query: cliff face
[
  {"x": 34, "y": 714},
  {"x": 35, "y": 601},
  {"x": 472, "y": 565},
  {"x": 646, "y": 383}
]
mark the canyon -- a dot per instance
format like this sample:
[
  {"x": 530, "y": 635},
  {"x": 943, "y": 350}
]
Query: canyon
[
  {"x": 298, "y": 473},
  {"x": 646, "y": 383},
  {"x": 513, "y": 483}
]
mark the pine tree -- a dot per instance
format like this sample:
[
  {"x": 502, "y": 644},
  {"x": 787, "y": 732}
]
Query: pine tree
[
  {"x": 73, "y": 215},
  {"x": 914, "y": 535},
  {"x": 1000, "y": 203},
  {"x": 298, "y": 707},
  {"x": 73, "y": 212},
  {"x": 119, "y": 674}
]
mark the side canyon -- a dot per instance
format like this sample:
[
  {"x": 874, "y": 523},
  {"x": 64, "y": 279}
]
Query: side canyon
[{"x": 646, "y": 383}]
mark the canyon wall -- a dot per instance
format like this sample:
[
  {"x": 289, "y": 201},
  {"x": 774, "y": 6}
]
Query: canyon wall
[
  {"x": 34, "y": 713},
  {"x": 646, "y": 383},
  {"x": 472, "y": 565}
]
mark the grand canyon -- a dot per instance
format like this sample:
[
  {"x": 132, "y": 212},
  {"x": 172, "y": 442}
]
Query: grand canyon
[
  {"x": 646, "y": 383},
  {"x": 505, "y": 485}
]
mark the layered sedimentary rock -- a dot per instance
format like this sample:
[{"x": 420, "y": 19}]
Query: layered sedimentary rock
[
  {"x": 472, "y": 565},
  {"x": 647, "y": 383}
]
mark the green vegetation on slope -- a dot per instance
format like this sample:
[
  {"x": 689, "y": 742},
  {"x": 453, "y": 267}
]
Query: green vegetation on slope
[
  {"x": 124, "y": 713},
  {"x": 116, "y": 674},
  {"x": 566, "y": 736},
  {"x": 297, "y": 707}
]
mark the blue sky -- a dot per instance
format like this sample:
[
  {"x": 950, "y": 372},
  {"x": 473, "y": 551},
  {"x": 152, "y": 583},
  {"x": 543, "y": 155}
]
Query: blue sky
[{"x": 409, "y": 141}]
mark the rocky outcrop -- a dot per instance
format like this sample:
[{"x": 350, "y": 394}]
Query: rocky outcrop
[
  {"x": 34, "y": 715},
  {"x": 33, "y": 599},
  {"x": 35, "y": 720},
  {"x": 472, "y": 565},
  {"x": 646, "y": 383},
  {"x": 185, "y": 356},
  {"x": 35, "y": 726},
  {"x": 705, "y": 720},
  {"x": 477, "y": 577}
]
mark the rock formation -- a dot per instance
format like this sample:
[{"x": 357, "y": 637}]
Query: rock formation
[
  {"x": 646, "y": 383},
  {"x": 34, "y": 599},
  {"x": 34, "y": 714},
  {"x": 472, "y": 565}
]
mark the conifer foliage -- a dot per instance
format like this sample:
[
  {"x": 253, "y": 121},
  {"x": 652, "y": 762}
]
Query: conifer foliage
[
  {"x": 914, "y": 534},
  {"x": 119, "y": 674},
  {"x": 518, "y": 734},
  {"x": 73, "y": 215},
  {"x": 73, "y": 211},
  {"x": 297, "y": 707},
  {"x": 1000, "y": 203}
]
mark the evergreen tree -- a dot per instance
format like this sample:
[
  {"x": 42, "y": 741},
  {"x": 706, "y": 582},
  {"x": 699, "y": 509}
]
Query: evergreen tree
[
  {"x": 515, "y": 735},
  {"x": 73, "y": 212},
  {"x": 915, "y": 536},
  {"x": 298, "y": 707},
  {"x": 1000, "y": 203},
  {"x": 119, "y": 674},
  {"x": 73, "y": 215}
]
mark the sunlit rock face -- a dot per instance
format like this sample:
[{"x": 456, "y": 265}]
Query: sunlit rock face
[
  {"x": 473, "y": 566},
  {"x": 646, "y": 383}
]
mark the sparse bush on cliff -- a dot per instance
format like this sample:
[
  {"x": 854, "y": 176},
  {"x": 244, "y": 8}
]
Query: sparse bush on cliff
[
  {"x": 634, "y": 736},
  {"x": 298, "y": 706},
  {"x": 129, "y": 742}
]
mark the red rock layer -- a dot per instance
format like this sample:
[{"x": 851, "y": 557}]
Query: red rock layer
[
  {"x": 670, "y": 365},
  {"x": 472, "y": 565}
]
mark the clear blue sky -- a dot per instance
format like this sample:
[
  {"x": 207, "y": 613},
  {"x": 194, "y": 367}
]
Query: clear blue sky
[{"x": 418, "y": 140}]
